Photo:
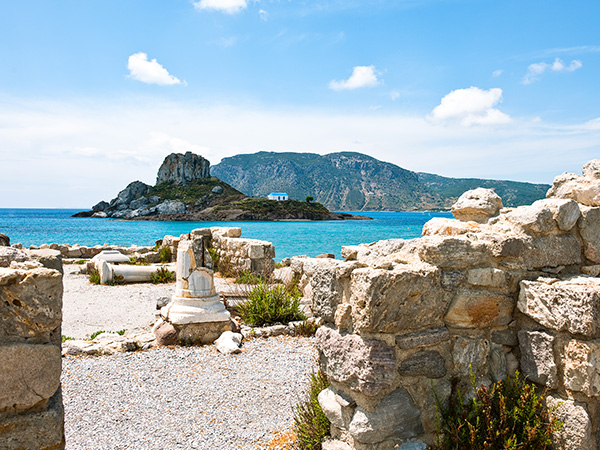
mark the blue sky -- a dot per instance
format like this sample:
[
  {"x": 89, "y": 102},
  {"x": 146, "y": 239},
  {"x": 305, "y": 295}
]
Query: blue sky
[{"x": 94, "y": 94}]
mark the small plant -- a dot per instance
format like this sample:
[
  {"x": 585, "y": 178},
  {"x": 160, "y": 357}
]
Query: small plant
[
  {"x": 67, "y": 338},
  {"x": 117, "y": 279},
  {"x": 135, "y": 261},
  {"x": 309, "y": 199},
  {"x": 306, "y": 328},
  {"x": 214, "y": 255},
  {"x": 247, "y": 277},
  {"x": 278, "y": 265},
  {"x": 311, "y": 425},
  {"x": 94, "y": 276},
  {"x": 80, "y": 261},
  {"x": 267, "y": 305},
  {"x": 121, "y": 332},
  {"x": 162, "y": 275},
  {"x": 165, "y": 254},
  {"x": 508, "y": 415},
  {"x": 95, "y": 334}
]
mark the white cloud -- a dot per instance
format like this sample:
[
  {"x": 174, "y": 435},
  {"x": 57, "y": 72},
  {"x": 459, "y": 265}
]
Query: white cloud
[
  {"x": 535, "y": 71},
  {"x": 264, "y": 15},
  {"x": 362, "y": 76},
  {"x": 497, "y": 73},
  {"x": 395, "y": 95},
  {"x": 150, "y": 72},
  {"x": 472, "y": 106},
  {"x": 224, "y": 6}
]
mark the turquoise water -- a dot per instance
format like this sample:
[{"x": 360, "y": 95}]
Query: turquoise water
[{"x": 45, "y": 226}]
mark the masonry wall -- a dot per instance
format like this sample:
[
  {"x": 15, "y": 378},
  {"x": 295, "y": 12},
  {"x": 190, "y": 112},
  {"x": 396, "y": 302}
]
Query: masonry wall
[
  {"x": 494, "y": 290},
  {"x": 31, "y": 411}
]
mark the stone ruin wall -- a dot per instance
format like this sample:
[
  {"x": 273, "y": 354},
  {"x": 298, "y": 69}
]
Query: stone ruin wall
[
  {"x": 494, "y": 290},
  {"x": 31, "y": 410}
]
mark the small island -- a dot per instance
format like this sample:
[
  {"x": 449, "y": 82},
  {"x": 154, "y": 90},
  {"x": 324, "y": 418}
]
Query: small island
[{"x": 185, "y": 191}]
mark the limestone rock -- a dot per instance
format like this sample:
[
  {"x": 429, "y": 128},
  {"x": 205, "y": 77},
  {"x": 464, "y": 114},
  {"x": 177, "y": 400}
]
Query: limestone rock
[
  {"x": 497, "y": 363},
  {"x": 334, "y": 444},
  {"x": 409, "y": 297},
  {"x": 425, "y": 363},
  {"x": 51, "y": 259},
  {"x": 455, "y": 252},
  {"x": 552, "y": 251},
  {"x": 581, "y": 372},
  {"x": 479, "y": 309},
  {"x": 326, "y": 286},
  {"x": 32, "y": 304},
  {"x": 537, "y": 357},
  {"x": 572, "y": 305},
  {"x": 449, "y": 227},
  {"x": 486, "y": 276},
  {"x": 9, "y": 254},
  {"x": 469, "y": 354},
  {"x": 229, "y": 342},
  {"x": 576, "y": 432},
  {"x": 545, "y": 216},
  {"x": 4, "y": 240},
  {"x": 171, "y": 207},
  {"x": 423, "y": 338},
  {"x": 100, "y": 206},
  {"x": 165, "y": 333},
  {"x": 396, "y": 417},
  {"x": 477, "y": 205},
  {"x": 30, "y": 374},
  {"x": 35, "y": 430},
  {"x": 589, "y": 227},
  {"x": 583, "y": 189},
  {"x": 338, "y": 408},
  {"x": 131, "y": 192},
  {"x": 181, "y": 169},
  {"x": 365, "y": 365}
]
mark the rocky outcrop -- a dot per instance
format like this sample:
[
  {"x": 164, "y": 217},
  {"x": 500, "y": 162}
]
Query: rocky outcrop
[
  {"x": 181, "y": 169},
  {"x": 490, "y": 292},
  {"x": 31, "y": 411}
]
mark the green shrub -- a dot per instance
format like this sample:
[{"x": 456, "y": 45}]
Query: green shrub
[
  {"x": 67, "y": 338},
  {"x": 94, "y": 276},
  {"x": 165, "y": 254},
  {"x": 247, "y": 277},
  {"x": 121, "y": 332},
  {"x": 311, "y": 425},
  {"x": 136, "y": 261},
  {"x": 508, "y": 415},
  {"x": 215, "y": 258},
  {"x": 267, "y": 305},
  {"x": 306, "y": 328},
  {"x": 81, "y": 261},
  {"x": 162, "y": 275},
  {"x": 95, "y": 334}
]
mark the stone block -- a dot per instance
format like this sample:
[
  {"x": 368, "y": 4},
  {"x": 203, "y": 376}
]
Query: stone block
[
  {"x": 486, "y": 276},
  {"x": 552, "y": 251},
  {"x": 396, "y": 417},
  {"x": 572, "y": 305},
  {"x": 409, "y": 297},
  {"x": 424, "y": 338},
  {"x": 581, "y": 371},
  {"x": 589, "y": 227},
  {"x": 364, "y": 365},
  {"x": 469, "y": 354},
  {"x": 30, "y": 374},
  {"x": 424, "y": 363},
  {"x": 448, "y": 227},
  {"x": 51, "y": 259},
  {"x": 326, "y": 287},
  {"x": 537, "y": 357},
  {"x": 477, "y": 205},
  {"x": 35, "y": 430},
  {"x": 31, "y": 306},
  {"x": 576, "y": 432},
  {"x": 505, "y": 337},
  {"x": 337, "y": 407},
  {"x": 455, "y": 252},
  {"x": 479, "y": 309},
  {"x": 497, "y": 363},
  {"x": 10, "y": 254}
]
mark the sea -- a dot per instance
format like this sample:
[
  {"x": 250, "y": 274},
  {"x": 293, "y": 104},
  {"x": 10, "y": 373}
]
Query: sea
[{"x": 312, "y": 238}]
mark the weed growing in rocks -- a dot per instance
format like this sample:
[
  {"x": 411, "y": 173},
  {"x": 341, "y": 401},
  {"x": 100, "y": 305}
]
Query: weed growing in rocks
[
  {"x": 247, "y": 277},
  {"x": 508, "y": 415},
  {"x": 94, "y": 276},
  {"x": 165, "y": 254},
  {"x": 95, "y": 334},
  {"x": 67, "y": 338},
  {"x": 268, "y": 305},
  {"x": 310, "y": 424},
  {"x": 162, "y": 275},
  {"x": 306, "y": 328}
]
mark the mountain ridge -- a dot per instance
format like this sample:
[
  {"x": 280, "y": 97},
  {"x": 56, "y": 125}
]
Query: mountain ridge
[{"x": 351, "y": 181}]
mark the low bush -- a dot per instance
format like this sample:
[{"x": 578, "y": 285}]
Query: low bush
[
  {"x": 247, "y": 277},
  {"x": 94, "y": 276},
  {"x": 216, "y": 258},
  {"x": 311, "y": 426},
  {"x": 162, "y": 275},
  {"x": 507, "y": 415},
  {"x": 268, "y": 305},
  {"x": 165, "y": 254},
  {"x": 306, "y": 328},
  {"x": 95, "y": 334}
]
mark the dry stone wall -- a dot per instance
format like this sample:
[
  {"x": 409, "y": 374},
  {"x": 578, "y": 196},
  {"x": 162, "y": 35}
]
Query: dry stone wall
[
  {"x": 31, "y": 411},
  {"x": 493, "y": 292}
]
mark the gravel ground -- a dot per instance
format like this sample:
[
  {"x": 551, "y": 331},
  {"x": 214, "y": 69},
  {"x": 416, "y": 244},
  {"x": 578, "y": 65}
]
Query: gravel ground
[{"x": 186, "y": 397}]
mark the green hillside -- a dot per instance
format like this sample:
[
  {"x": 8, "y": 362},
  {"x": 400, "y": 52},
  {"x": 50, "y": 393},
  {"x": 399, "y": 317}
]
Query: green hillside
[{"x": 350, "y": 181}]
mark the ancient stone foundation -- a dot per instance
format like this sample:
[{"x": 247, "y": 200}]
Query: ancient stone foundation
[
  {"x": 493, "y": 292},
  {"x": 31, "y": 411}
]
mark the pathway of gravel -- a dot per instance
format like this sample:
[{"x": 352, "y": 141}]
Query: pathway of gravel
[{"x": 186, "y": 397}]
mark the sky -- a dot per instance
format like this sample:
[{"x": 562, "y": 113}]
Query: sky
[{"x": 94, "y": 94}]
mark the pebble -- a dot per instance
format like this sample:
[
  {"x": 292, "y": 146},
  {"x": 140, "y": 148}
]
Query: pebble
[{"x": 186, "y": 397}]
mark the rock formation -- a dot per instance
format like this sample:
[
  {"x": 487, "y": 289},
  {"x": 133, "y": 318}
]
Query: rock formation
[
  {"x": 513, "y": 289},
  {"x": 181, "y": 169}
]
